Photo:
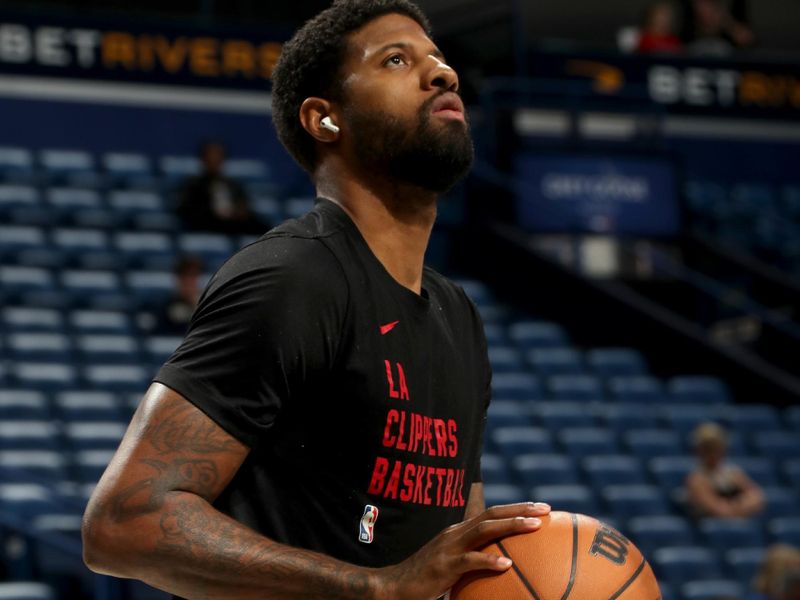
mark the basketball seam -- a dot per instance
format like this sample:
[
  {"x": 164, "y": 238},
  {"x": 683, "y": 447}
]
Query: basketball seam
[
  {"x": 627, "y": 584},
  {"x": 574, "y": 566},
  {"x": 522, "y": 577}
]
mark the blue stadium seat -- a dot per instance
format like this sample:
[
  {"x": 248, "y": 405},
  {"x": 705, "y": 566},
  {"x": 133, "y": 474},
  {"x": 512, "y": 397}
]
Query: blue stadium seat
[
  {"x": 129, "y": 203},
  {"x": 569, "y": 498},
  {"x": 494, "y": 470},
  {"x": 626, "y": 501},
  {"x": 146, "y": 249},
  {"x": 611, "y": 362},
  {"x": 753, "y": 417},
  {"x": 117, "y": 378},
  {"x": 538, "y": 334},
  {"x": 777, "y": 444},
  {"x": 636, "y": 388},
  {"x": 16, "y": 281},
  {"x": 102, "y": 348},
  {"x": 679, "y": 564},
  {"x": 514, "y": 441},
  {"x": 68, "y": 205},
  {"x": 477, "y": 291},
  {"x": 575, "y": 387},
  {"x": 297, "y": 207},
  {"x": 99, "y": 321},
  {"x": 495, "y": 494},
  {"x": 16, "y": 165},
  {"x": 671, "y": 471},
  {"x": 90, "y": 464},
  {"x": 613, "y": 469},
  {"x": 152, "y": 289},
  {"x": 129, "y": 170},
  {"x": 723, "y": 534},
  {"x": 88, "y": 405},
  {"x": 561, "y": 415},
  {"x": 792, "y": 418},
  {"x": 85, "y": 248},
  {"x": 23, "y": 318},
  {"x": 29, "y": 435},
  {"x": 267, "y": 207},
  {"x": 781, "y": 501},
  {"x": 72, "y": 166},
  {"x": 248, "y": 170},
  {"x": 22, "y": 205},
  {"x": 28, "y": 465},
  {"x": 212, "y": 248},
  {"x": 505, "y": 359},
  {"x": 26, "y": 499},
  {"x": 516, "y": 386},
  {"x": 94, "y": 435},
  {"x": 647, "y": 443},
  {"x": 785, "y": 530},
  {"x": 19, "y": 239},
  {"x": 742, "y": 564},
  {"x": 684, "y": 418},
  {"x": 698, "y": 389},
  {"x": 555, "y": 361},
  {"x": 24, "y": 590},
  {"x": 43, "y": 376},
  {"x": 545, "y": 469},
  {"x": 791, "y": 472},
  {"x": 713, "y": 589},
  {"x": 159, "y": 348},
  {"x": 625, "y": 416},
  {"x": 23, "y": 405},
  {"x": 98, "y": 289},
  {"x": 39, "y": 346},
  {"x": 176, "y": 168},
  {"x": 585, "y": 441},
  {"x": 653, "y": 532},
  {"x": 761, "y": 470},
  {"x": 495, "y": 334},
  {"x": 508, "y": 413}
]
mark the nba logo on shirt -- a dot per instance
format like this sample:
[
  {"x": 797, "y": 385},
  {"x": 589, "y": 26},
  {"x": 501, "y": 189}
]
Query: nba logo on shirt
[{"x": 366, "y": 530}]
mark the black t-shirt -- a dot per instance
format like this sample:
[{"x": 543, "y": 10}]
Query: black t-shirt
[{"x": 363, "y": 403}]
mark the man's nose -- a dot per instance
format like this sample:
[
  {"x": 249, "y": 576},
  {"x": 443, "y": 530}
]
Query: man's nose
[{"x": 441, "y": 75}]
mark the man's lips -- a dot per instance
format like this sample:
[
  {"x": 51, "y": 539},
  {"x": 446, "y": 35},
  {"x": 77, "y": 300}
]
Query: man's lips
[{"x": 448, "y": 105}]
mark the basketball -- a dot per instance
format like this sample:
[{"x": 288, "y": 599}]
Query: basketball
[{"x": 571, "y": 557}]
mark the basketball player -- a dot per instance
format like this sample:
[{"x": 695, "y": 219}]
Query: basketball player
[{"x": 318, "y": 432}]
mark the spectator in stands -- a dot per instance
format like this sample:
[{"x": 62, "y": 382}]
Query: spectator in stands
[
  {"x": 717, "y": 488},
  {"x": 658, "y": 30},
  {"x": 716, "y": 27},
  {"x": 213, "y": 202},
  {"x": 176, "y": 314},
  {"x": 779, "y": 575}
]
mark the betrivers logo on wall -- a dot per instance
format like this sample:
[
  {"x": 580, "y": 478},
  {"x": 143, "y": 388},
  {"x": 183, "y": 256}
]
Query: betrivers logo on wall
[
  {"x": 59, "y": 50},
  {"x": 607, "y": 186}
]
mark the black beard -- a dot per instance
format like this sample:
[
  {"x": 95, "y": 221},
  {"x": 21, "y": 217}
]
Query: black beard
[{"x": 432, "y": 158}]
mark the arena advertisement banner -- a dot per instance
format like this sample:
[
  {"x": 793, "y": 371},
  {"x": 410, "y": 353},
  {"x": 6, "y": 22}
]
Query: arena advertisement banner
[
  {"x": 736, "y": 87},
  {"x": 142, "y": 52},
  {"x": 592, "y": 194}
]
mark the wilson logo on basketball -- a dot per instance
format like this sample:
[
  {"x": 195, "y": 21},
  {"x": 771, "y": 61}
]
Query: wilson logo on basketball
[{"x": 610, "y": 544}]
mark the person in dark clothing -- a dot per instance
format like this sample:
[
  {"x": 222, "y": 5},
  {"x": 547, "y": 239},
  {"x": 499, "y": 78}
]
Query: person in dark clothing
[
  {"x": 213, "y": 202},
  {"x": 716, "y": 27},
  {"x": 177, "y": 313},
  {"x": 318, "y": 433}
]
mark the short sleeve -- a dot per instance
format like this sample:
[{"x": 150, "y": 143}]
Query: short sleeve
[{"x": 269, "y": 320}]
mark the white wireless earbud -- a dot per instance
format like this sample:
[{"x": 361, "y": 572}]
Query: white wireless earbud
[{"x": 326, "y": 123}]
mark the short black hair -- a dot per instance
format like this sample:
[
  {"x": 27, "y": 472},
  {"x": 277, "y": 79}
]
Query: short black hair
[{"x": 310, "y": 65}]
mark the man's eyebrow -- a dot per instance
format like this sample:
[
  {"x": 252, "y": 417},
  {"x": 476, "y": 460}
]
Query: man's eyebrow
[{"x": 406, "y": 46}]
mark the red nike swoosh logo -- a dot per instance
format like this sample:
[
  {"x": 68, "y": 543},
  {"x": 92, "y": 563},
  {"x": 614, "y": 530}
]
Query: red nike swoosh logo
[{"x": 388, "y": 327}]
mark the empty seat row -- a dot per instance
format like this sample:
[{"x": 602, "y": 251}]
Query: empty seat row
[{"x": 87, "y": 348}]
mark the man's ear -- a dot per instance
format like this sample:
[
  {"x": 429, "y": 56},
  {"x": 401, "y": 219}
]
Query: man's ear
[{"x": 312, "y": 112}]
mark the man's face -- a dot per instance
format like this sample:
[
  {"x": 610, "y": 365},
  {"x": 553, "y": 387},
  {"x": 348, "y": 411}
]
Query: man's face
[{"x": 401, "y": 108}]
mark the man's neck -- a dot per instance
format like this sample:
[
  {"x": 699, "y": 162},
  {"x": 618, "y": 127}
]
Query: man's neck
[{"x": 395, "y": 220}]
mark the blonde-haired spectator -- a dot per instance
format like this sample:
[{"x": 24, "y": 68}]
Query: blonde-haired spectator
[
  {"x": 716, "y": 487},
  {"x": 779, "y": 575}
]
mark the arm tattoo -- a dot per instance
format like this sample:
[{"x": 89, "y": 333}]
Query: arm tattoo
[{"x": 185, "y": 429}]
